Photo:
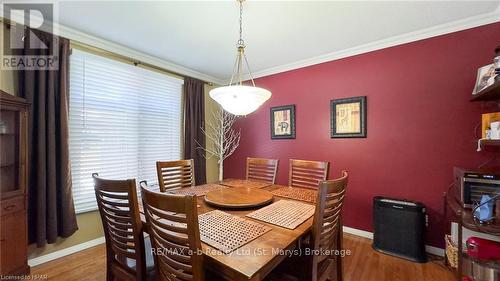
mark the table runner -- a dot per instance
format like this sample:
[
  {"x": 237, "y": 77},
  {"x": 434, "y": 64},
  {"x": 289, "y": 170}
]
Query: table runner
[
  {"x": 301, "y": 194},
  {"x": 284, "y": 213},
  {"x": 198, "y": 190},
  {"x": 227, "y": 232},
  {"x": 244, "y": 183}
]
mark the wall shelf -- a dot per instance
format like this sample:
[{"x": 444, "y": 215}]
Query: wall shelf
[
  {"x": 490, "y": 142},
  {"x": 490, "y": 93},
  {"x": 485, "y": 142}
]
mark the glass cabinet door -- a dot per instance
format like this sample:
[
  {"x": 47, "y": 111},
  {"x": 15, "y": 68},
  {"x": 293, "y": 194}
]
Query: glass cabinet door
[{"x": 9, "y": 152}]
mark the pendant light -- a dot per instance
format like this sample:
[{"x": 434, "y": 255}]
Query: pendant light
[{"x": 236, "y": 98}]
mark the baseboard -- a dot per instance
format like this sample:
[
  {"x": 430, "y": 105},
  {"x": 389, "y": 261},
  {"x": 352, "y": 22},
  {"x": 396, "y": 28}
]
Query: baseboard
[
  {"x": 434, "y": 250},
  {"x": 66, "y": 251},
  {"x": 89, "y": 244},
  {"x": 358, "y": 232}
]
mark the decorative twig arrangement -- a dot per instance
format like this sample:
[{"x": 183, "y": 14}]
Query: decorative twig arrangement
[{"x": 225, "y": 139}]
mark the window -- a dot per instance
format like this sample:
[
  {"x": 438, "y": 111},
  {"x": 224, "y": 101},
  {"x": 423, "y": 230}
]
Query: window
[{"x": 122, "y": 120}]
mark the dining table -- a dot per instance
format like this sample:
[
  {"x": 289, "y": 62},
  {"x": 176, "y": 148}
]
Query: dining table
[{"x": 256, "y": 259}]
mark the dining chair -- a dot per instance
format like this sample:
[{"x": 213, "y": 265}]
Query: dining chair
[
  {"x": 128, "y": 253},
  {"x": 172, "y": 222},
  {"x": 306, "y": 174},
  {"x": 325, "y": 240},
  {"x": 175, "y": 174},
  {"x": 261, "y": 169}
]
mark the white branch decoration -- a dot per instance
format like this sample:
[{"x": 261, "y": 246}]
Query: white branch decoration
[{"x": 225, "y": 139}]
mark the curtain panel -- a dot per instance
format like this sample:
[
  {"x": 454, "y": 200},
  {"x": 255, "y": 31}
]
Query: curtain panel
[
  {"x": 51, "y": 213},
  {"x": 194, "y": 121}
]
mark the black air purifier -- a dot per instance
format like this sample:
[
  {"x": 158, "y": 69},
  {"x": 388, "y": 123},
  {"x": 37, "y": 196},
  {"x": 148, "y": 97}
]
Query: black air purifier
[{"x": 399, "y": 228}]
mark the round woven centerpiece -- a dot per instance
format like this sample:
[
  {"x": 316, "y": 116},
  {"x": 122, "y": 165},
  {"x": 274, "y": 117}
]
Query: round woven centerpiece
[{"x": 238, "y": 197}]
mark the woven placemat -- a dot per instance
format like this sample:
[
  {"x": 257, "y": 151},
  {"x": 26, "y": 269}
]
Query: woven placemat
[
  {"x": 244, "y": 183},
  {"x": 198, "y": 190},
  {"x": 226, "y": 232},
  {"x": 301, "y": 194},
  {"x": 284, "y": 213}
]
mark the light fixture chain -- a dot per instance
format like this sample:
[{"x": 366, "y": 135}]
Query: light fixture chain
[{"x": 241, "y": 21}]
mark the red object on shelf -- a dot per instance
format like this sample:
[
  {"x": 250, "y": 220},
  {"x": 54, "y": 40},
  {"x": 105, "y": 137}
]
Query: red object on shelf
[
  {"x": 483, "y": 249},
  {"x": 467, "y": 279}
]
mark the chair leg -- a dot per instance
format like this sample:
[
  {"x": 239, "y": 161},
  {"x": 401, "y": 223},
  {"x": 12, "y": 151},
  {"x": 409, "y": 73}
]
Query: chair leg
[
  {"x": 339, "y": 270},
  {"x": 109, "y": 272}
]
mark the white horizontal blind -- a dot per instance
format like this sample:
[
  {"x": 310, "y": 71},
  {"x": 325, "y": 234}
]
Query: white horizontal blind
[{"x": 122, "y": 120}]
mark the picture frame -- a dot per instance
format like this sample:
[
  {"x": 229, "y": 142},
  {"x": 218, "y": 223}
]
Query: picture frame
[
  {"x": 485, "y": 77},
  {"x": 283, "y": 122},
  {"x": 348, "y": 118}
]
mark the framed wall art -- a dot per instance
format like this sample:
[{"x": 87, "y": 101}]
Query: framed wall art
[
  {"x": 348, "y": 118},
  {"x": 485, "y": 77},
  {"x": 283, "y": 122}
]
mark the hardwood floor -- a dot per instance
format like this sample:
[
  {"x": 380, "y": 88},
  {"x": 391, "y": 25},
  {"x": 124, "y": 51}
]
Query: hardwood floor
[
  {"x": 369, "y": 265},
  {"x": 363, "y": 264}
]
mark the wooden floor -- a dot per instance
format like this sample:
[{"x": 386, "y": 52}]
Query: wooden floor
[{"x": 363, "y": 264}]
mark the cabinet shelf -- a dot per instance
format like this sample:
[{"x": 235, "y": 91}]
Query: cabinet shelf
[
  {"x": 466, "y": 217},
  {"x": 14, "y": 178},
  {"x": 490, "y": 93}
]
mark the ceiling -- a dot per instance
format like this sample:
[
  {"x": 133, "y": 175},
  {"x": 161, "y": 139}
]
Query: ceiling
[{"x": 202, "y": 35}]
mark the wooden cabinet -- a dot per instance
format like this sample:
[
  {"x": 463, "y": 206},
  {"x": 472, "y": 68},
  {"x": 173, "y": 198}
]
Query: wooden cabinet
[{"x": 13, "y": 185}]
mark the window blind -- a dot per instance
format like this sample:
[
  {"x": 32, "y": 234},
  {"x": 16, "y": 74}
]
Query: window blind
[{"x": 123, "y": 119}]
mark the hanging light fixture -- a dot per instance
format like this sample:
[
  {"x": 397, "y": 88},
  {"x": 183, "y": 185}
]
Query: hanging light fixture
[{"x": 236, "y": 98}]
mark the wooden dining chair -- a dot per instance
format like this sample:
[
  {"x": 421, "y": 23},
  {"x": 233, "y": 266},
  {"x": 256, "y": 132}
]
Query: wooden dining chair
[
  {"x": 306, "y": 174},
  {"x": 261, "y": 169},
  {"x": 172, "y": 222},
  {"x": 326, "y": 238},
  {"x": 128, "y": 253},
  {"x": 175, "y": 174}
]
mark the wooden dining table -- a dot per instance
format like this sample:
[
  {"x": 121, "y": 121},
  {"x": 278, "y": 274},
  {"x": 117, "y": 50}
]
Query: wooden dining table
[{"x": 256, "y": 259}]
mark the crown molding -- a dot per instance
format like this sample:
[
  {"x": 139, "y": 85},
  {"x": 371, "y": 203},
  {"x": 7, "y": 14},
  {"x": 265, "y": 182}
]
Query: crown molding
[
  {"x": 459, "y": 25},
  {"x": 94, "y": 41},
  {"x": 119, "y": 49},
  {"x": 463, "y": 24}
]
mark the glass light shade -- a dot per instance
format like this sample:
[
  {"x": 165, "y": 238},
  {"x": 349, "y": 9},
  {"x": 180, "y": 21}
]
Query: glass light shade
[{"x": 239, "y": 99}]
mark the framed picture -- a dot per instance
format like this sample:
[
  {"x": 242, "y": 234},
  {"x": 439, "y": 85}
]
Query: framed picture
[
  {"x": 485, "y": 78},
  {"x": 283, "y": 122},
  {"x": 348, "y": 118}
]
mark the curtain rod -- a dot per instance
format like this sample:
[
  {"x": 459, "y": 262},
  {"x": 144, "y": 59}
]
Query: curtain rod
[{"x": 105, "y": 53}]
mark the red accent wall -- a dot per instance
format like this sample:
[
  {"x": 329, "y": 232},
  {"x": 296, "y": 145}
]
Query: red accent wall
[{"x": 420, "y": 121}]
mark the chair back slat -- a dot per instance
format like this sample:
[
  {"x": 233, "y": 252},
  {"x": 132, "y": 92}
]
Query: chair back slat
[
  {"x": 175, "y": 174},
  {"x": 327, "y": 224},
  {"x": 260, "y": 169},
  {"x": 307, "y": 174},
  {"x": 172, "y": 221},
  {"x": 119, "y": 210}
]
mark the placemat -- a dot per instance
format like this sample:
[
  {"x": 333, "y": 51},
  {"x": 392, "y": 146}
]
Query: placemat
[
  {"x": 244, "y": 183},
  {"x": 301, "y": 194},
  {"x": 198, "y": 190},
  {"x": 284, "y": 213},
  {"x": 226, "y": 232}
]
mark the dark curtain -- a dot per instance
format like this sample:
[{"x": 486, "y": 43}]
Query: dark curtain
[
  {"x": 194, "y": 121},
  {"x": 51, "y": 211}
]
